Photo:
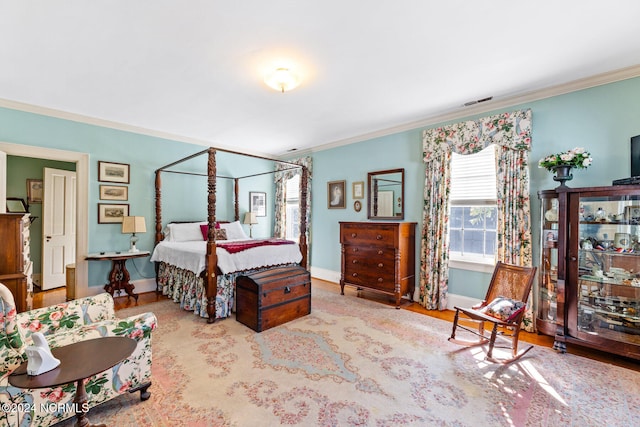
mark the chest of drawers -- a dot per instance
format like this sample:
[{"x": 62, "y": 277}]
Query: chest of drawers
[
  {"x": 379, "y": 257},
  {"x": 16, "y": 267}
]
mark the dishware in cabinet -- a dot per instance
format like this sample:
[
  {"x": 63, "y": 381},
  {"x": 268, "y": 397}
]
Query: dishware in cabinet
[
  {"x": 546, "y": 295},
  {"x": 602, "y": 292}
]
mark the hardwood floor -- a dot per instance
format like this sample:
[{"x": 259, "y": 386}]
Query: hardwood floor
[{"x": 56, "y": 296}]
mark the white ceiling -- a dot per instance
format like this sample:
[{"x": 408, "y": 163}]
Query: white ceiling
[{"x": 193, "y": 69}]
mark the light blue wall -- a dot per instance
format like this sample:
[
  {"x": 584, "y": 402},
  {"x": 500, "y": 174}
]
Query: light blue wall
[
  {"x": 144, "y": 154},
  {"x": 602, "y": 119}
]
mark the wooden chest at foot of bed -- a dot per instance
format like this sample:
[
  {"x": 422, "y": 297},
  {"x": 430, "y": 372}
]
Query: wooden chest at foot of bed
[{"x": 273, "y": 297}]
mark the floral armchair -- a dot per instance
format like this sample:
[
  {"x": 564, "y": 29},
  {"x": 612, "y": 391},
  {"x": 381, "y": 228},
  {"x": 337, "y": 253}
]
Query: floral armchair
[{"x": 63, "y": 324}]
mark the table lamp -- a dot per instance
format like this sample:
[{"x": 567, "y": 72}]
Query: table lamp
[
  {"x": 250, "y": 218},
  {"x": 133, "y": 225}
]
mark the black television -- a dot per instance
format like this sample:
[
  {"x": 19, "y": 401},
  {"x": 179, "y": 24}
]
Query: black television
[{"x": 635, "y": 155}]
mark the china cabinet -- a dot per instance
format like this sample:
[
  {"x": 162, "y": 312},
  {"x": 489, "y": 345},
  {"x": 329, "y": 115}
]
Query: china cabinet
[
  {"x": 589, "y": 286},
  {"x": 546, "y": 295}
]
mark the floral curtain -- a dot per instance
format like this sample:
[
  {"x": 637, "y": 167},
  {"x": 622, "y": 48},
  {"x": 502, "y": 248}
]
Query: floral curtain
[
  {"x": 511, "y": 132},
  {"x": 283, "y": 174}
]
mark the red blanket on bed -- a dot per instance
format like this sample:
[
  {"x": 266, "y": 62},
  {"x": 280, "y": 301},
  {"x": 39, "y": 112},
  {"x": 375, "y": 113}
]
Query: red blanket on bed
[{"x": 233, "y": 247}]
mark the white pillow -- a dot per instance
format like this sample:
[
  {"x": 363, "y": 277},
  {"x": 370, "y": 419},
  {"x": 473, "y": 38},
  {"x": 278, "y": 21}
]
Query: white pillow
[
  {"x": 234, "y": 230},
  {"x": 186, "y": 232}
]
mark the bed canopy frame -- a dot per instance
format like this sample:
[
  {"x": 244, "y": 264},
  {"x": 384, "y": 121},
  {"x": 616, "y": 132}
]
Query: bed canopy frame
[{"x": 211, "y": 271}]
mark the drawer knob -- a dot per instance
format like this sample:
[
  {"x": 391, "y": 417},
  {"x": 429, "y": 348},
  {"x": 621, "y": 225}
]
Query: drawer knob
[
  {"x": 287, "y": 290},
  {"x": 355, "y": 274},
  {"x": 379, "y": 279},
  {"x": 379, "y": 252},
  {"x": 353, "y": 234},
  {"x": 355, "y": 249},
  {"x": 379, "y": 237},
  {"x": 380, "y": 265},
  {"x": 355, "y": 261}
]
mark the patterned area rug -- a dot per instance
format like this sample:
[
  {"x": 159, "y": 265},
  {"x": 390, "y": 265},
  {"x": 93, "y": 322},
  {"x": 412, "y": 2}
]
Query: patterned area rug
[{"x": 354, "y": 362}]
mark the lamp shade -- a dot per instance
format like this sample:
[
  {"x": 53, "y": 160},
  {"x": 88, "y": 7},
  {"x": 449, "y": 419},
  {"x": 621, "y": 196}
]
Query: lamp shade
[
  {"x": 250, "y": 218},
  {"x": 133, "y": 224}
]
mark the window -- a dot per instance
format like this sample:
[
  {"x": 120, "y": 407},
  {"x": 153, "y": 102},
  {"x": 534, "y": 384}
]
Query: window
[
  {"x": 292, "y": 197},
  {"x": 473, "y": 210}
]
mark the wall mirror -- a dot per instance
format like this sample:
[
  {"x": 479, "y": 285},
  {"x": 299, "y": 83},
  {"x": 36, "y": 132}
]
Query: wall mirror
[{"x": 386, "y": 194}]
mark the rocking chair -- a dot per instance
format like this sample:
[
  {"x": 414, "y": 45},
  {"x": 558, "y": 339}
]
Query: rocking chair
[{"x": 504, "y": 307}]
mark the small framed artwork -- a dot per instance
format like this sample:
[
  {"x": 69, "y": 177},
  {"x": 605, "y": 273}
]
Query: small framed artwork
[
  {"x": 357, "y": 206},
  {"x": 113, "y": 172},
  {"x": 258, "y": 203},
  {"x": 550, "y": 238},
  {"x": 358, "y": 190},
  {"x": 34, "y": 190},
  {"x": 112, "y": 214},
  {"x": 336, "y": 195},
  {"x": 114, "y": 192}
]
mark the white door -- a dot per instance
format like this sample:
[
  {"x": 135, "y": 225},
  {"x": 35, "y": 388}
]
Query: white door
[{"x": 58, "y": 226}]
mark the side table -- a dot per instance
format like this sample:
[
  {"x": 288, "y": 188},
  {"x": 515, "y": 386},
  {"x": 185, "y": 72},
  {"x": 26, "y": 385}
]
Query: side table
[
  {"x": 78, "y": 361},
  {"x": 119, "y": 276}
]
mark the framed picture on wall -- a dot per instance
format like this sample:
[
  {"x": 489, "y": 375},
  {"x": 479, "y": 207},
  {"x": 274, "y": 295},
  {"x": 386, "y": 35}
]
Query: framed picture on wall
[
  {"x": 113, "y": 172},
  {"x": 112, "y": 214},
  {"x": 258, "y": 203},
  {"x": 114, "y": 192},
  {"x": 336, "y": 196},
  {"x": 34, "y": 191},
  {"x": 358, "y": 190}
]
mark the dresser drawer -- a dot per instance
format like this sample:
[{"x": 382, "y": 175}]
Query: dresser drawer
[
  {"x": 379, "y": 236},
  {"x": 382, "y": 279},
  {"x": 372, "y": 258}
]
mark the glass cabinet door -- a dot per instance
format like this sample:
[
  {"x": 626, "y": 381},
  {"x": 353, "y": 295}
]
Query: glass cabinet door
[
  {"x": 608, "y": 291},
  {"x": 548, "y": 275}
]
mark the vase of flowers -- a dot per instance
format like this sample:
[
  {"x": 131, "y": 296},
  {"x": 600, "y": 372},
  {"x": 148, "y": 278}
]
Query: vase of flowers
[{"x": 562, "y": 163}]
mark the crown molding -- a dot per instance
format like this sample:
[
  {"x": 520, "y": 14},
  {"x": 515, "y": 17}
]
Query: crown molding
[
  {"x": 64, "y": 115},
  {"x": 495, "y": 104},
  {"x": 457, "y": 113}
]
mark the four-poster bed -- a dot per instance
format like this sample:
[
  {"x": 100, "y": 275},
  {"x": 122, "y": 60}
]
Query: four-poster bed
[{"x": 211, "y": 271}]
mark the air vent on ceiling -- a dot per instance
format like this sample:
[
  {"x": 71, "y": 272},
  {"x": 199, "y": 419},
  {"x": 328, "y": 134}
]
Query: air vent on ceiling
[
  {"x": 292, "y": 149},
  {"x": 467, "y": 104}
]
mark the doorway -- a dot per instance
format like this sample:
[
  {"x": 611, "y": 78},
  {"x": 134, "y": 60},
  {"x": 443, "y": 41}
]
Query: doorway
[{"x": 81, "y": 161}]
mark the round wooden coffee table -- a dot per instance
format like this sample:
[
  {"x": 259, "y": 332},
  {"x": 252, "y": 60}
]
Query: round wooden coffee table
[{"x": 78, "y": 361}]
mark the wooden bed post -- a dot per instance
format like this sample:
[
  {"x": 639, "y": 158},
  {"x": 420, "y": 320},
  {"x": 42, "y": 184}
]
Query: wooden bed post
[
  {"x": 211, "y": 281},
  {"x": 236, "y": 191},
  {"x": 158, "y": 208},
  {"x": 304, "y": 178}
]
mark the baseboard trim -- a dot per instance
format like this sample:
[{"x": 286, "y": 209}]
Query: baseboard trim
[
  {"x": 454, "y": 300},
  {"x": 141, "y": 286},
  {"x": 324, "y": 274}
]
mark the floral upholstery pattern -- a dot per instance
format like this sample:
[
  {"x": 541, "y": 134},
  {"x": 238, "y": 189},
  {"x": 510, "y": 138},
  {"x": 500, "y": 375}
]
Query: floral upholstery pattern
[{"x": 63, "y": 324}]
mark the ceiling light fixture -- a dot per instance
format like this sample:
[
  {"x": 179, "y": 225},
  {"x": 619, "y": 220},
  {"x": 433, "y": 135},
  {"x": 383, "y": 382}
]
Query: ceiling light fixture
[{"x": 281, "y": 79}]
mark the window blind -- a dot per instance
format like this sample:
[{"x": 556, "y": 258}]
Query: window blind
[
  {"x": 473, "y": 178},
  {"x": 293, "y": 188}
]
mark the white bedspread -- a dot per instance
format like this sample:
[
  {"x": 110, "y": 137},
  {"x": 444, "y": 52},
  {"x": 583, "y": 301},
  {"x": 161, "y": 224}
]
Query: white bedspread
[{"x": 191, "y": 256}]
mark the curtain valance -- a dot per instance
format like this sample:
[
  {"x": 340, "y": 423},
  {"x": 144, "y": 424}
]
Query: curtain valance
[{"x": 511, "y": 130}]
